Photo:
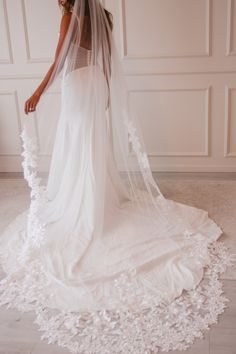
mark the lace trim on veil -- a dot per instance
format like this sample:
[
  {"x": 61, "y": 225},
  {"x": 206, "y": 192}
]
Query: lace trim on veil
[{"x": 143, "y": 324}]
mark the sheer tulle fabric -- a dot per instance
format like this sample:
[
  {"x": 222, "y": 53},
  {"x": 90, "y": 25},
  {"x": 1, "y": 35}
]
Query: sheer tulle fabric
[{"x": 96, "y": 253}]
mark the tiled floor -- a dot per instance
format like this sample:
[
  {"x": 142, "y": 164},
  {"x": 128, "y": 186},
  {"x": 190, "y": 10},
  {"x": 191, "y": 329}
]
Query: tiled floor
[{"x": 214, "y": 193}]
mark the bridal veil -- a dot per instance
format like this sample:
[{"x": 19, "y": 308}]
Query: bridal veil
[{"x": 106, "y": 261}]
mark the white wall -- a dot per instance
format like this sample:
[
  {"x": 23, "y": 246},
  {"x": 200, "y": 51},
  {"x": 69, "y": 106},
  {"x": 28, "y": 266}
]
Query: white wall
[{"x": 180, "y": 61}]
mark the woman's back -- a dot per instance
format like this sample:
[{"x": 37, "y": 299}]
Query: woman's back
[{"x": 77, "y": 58}]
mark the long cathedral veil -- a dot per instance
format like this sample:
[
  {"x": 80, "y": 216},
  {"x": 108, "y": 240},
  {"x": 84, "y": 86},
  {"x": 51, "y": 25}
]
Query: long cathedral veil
[
  {"x": 91, "y": 29},
  {"x": 116, "y": 129},
  {"x": 94, "y": 103}
]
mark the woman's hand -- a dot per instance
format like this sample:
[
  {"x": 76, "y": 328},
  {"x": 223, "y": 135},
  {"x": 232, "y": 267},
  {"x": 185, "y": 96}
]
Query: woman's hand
[{"x": 31, "y": 103}]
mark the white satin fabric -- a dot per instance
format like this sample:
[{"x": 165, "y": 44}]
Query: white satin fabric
[{"x": 93, "y": 232}]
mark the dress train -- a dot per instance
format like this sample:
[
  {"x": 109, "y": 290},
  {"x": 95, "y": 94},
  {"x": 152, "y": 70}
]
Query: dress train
[{"x": 75, "y": 269}]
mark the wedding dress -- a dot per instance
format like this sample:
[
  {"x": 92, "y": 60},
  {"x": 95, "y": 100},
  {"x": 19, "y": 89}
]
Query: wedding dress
[{"x": 106, "y": 268}]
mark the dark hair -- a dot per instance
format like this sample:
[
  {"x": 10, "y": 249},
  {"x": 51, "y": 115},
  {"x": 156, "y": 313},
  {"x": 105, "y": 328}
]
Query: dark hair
[{"x": 68, "y": 7}]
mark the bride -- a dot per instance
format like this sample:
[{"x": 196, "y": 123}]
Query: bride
[{"x": 107, "y": 263}]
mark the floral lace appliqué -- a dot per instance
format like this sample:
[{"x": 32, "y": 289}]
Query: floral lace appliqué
[{"x": 143, "y": 323}]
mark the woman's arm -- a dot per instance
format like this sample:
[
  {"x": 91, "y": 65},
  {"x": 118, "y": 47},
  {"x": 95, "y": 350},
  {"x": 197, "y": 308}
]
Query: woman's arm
[{"x": 31, "y": 103}]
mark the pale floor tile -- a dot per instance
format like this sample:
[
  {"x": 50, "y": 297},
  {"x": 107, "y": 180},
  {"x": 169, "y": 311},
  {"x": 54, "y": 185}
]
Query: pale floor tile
[
  {"x": 19, "y": 335},
  {"x": 14, "y": 198},
  {"x": 18, "y": 326},
  {"x": 21, "y": 349},
  {"x": 42, "y": 348},
  {"x": 226, "y": 176},
  {"x": 223, "y": 341}
]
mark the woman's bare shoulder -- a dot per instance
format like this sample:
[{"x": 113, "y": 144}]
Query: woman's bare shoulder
[{"x": 65, "y": 21}]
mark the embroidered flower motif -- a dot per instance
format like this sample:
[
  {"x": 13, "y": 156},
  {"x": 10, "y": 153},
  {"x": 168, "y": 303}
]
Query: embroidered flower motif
[
  {"x": 143, "y": 324},
  {"x": 34, "y": 236},
  {"x": 136, "y": 145}
]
